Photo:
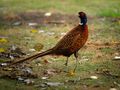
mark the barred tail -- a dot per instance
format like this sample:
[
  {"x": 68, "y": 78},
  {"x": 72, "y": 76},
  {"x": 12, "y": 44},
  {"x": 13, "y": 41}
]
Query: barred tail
[{"x": 50, "y": 51}]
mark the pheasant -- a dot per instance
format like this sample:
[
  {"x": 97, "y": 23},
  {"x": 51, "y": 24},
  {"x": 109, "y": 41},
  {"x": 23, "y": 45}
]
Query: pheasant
[{"x": 69, "y": 44}]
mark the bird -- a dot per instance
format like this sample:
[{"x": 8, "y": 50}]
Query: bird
[{"x": 69, "y": 44}]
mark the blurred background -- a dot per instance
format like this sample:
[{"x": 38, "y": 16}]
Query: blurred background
[{"x": 31, "y": 26}]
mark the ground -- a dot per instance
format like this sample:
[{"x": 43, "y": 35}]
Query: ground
[{"x": 28, "y": 28}]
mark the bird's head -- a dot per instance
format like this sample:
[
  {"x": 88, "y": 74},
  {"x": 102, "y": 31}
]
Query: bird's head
[{"x": 83, "y": 18}]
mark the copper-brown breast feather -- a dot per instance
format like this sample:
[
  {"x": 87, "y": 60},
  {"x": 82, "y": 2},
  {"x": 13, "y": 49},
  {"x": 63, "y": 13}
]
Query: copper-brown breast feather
[{"x": 69, "y": 39}]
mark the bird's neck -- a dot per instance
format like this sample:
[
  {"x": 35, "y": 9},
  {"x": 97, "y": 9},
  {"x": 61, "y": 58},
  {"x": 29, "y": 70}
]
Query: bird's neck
[
  {"x": 83, "y": 26},
  {"x": 83, "y": 21}
]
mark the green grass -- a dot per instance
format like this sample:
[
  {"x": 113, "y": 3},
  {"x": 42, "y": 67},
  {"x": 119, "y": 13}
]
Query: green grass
[{"x": 108, "y": 8}]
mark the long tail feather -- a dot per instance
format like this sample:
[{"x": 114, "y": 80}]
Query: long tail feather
[{"x": 33, "y": 56}]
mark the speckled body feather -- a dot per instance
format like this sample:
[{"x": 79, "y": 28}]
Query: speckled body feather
[{"x": 72, "y": 41}]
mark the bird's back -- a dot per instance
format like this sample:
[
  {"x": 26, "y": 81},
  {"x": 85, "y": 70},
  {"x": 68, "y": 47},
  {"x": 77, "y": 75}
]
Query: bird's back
[{"x": 72, "y": 41}]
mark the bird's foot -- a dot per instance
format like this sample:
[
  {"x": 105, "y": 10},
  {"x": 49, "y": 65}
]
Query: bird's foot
[{"x": 71, "y": 73}]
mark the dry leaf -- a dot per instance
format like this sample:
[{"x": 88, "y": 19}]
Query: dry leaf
[
  {"x": 2, "y": 50},
  {"x": 3, "y": 40},
  {"x": 46, "y": 61},
  {"x": 34, "y": 31},
  {"x": 38, "y": 47},
  {"x": 71, "y": 73}
]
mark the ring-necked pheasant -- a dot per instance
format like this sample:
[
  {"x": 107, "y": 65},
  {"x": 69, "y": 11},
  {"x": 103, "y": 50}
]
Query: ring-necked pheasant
[{"x": 69, "y": 44}]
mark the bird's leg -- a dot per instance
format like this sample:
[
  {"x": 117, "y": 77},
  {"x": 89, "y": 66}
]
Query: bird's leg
[
  {"x": 66, "y": 63},
  {"x": 76, "y": 57}
]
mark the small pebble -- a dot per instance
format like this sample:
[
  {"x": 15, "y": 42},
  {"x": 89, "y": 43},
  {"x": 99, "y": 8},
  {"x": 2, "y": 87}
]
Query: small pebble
[
  {"x": 93, "y": 77},
  {"x": 17, "y": 23},
  {"x": 41, "y": 31},
  {"x": 20, "y": 79},
  {"x": 117, "y": 57},
  {"x": 28, "y": 81},
  {"x": 44, "y": 78},
  {"x": 112, "y": 89},
  {"x": 48, "y": 14},
  {"x": 62, "y": 34},
  {"x": 32, "y": 50},
  {"x": 11, "y": 57},
  {"x": 3, "y": 64},
  {"x": 32, "y": 24},
  {"x": 50, "y": 33},
  {"x": 54, "y": 83}
]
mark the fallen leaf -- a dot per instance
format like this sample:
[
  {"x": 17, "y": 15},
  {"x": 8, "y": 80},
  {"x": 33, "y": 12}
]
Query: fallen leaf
[
  {"x": 71, "y": 73},
  {"x": 38, "y": 46},
  {"x": 34, "y": 31},
  {"x": 2, "y": 50},
  {"x": 3, "y": 40},
  {"x": 46, "y": 61}
]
